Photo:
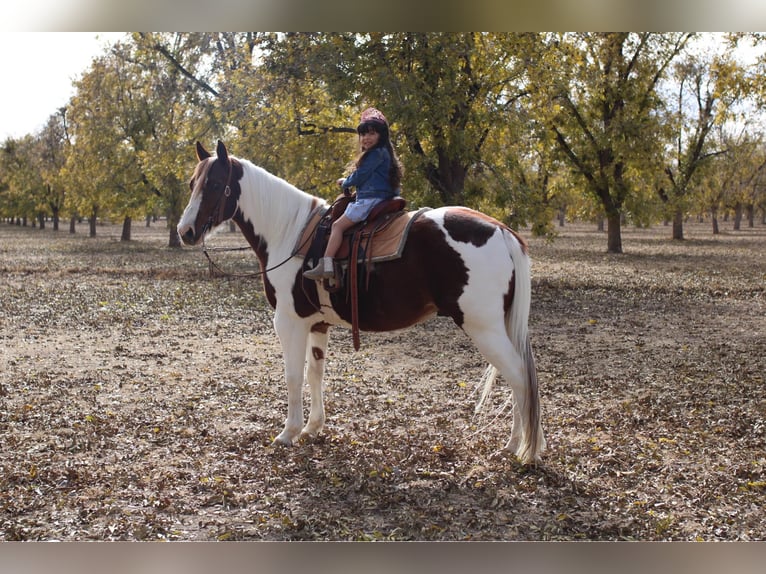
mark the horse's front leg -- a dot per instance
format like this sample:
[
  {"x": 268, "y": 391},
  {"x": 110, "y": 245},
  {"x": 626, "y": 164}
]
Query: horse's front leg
[
  {"x": 293, "y": 335},
  {"x": 315, "y": 357}
]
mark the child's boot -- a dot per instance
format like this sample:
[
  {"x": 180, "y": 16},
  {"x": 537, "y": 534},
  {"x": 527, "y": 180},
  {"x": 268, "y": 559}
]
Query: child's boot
[{"x": 324, "y": 269}]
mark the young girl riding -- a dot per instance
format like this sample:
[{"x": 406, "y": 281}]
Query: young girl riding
[{"x": 376, "y": 178}]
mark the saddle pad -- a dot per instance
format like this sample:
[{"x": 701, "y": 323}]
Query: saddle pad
[
  {"x": 386, "y": 244},
  {"x": 304, "y": 241}
]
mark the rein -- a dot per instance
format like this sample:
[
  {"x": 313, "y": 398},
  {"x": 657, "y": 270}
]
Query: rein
[{"x": 213, "y": 265}]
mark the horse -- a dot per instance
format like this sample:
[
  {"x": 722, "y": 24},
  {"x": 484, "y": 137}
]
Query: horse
[{"x": 456, "y": 262}]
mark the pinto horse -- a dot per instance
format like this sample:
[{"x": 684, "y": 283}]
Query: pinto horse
[{"x": 456, "y": 262}]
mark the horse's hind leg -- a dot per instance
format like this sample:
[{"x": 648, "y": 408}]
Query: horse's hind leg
[
  {"x": 315, "y": 358},
  {"x": 496, "y": 347}
]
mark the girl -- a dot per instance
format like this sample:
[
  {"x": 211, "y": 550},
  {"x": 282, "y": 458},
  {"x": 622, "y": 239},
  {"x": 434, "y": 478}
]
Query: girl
[{"x": 377, "y": 177}]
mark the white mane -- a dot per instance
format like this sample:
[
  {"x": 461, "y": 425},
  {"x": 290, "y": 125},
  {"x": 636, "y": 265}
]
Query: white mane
[{"x": 277, "y": 209}]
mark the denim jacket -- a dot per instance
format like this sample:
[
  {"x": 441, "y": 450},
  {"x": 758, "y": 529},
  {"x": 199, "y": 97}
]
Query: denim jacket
[{"x": 371, "y": 177}]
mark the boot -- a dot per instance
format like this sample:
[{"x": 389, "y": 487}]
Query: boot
[{"x": 324, "y": 269}]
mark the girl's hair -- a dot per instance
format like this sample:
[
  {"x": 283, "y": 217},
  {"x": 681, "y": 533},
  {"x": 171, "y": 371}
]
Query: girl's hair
[{"x": 396, "y": 172}]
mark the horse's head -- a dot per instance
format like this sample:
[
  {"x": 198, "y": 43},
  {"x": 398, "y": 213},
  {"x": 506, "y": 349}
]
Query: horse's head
[{"x": 214, "y": 194}]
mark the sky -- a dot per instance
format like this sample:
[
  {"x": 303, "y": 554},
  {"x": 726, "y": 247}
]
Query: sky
[{"x": 37, "y": 71}]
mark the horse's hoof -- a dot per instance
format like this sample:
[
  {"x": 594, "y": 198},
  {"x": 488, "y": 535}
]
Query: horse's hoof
[
  {"x": 282, "y": 441},
  {"x": 311, "y": 431},
  {"x": 305, "y": 437},
  {"x": 513, "y": 445}
]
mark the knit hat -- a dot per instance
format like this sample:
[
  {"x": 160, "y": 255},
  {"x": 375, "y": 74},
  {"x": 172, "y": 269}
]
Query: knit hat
[{"x": 373, "y": 116}]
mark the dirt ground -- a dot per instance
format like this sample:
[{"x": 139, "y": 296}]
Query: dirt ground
[{"x": 139, "y": 397}]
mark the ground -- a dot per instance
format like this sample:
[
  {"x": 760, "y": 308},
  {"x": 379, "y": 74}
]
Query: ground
[{"x": 139, "y": 398}]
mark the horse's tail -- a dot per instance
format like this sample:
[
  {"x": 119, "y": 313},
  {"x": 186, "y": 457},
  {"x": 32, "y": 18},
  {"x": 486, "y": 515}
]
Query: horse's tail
[
  {"x": 517, "y": 324},
  {"x": 517, "y": 327}
]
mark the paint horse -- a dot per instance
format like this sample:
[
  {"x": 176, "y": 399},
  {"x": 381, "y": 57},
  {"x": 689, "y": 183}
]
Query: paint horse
[{"x": 456, "y": 262}]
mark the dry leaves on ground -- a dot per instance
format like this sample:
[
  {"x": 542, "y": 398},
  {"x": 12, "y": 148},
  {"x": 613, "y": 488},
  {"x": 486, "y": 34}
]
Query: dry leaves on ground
[{"x": 139, "y": 398}]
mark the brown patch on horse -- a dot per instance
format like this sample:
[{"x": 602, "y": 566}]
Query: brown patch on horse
[
  {"x": 305, "y": 296},
  {"x": 508, "y": 297},
  {"x": 468, "y": 226},
  {"x": 261, "y": 248},
  {"x": 431, "y": 285},
  {"x": 210, "y": 179},
  {"x": 199, "y": 175},
  {"x": 320, "y": 327}
]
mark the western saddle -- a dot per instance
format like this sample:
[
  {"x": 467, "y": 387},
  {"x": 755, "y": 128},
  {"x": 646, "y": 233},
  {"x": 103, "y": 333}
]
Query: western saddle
[{"x": 355, "y": 251}]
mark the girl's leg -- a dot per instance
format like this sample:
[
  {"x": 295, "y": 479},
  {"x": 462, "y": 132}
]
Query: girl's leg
[{"x": 339, "y": 227}]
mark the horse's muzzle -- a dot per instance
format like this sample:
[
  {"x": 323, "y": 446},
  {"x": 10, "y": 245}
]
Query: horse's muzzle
[{"x": 188, "y": 236}]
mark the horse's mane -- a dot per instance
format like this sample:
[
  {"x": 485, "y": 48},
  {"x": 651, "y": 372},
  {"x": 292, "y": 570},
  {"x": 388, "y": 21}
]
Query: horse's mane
[{"x": 276, "y": 208}]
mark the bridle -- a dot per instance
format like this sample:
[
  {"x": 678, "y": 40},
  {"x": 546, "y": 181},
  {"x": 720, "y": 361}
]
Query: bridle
[
  {"x": 218, "y": 214},
  {"x": 220, "y": 206}
]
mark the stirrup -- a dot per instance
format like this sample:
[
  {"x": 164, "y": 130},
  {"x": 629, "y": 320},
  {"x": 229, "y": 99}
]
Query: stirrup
[{"x": 320, "y": 271}]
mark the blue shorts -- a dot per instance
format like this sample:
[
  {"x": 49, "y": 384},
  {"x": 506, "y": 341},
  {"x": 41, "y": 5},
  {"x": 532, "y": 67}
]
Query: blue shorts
[{"x": 361, "y": 208}]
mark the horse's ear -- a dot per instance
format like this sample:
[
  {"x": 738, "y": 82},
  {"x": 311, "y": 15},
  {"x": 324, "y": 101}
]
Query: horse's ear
[
  {"x": 202, "y": 153},
  {"x": 221, "y": 152}
]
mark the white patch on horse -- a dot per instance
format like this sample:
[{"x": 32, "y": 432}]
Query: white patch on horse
[
  {"x": 490, "y": 271},
  {"x": 327, "y": 311},
  {"x": 189, "y": 216}
]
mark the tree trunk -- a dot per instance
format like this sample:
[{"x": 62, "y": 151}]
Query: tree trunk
[
  {"x": 174, "y": 239},
  {"x": 174, "y": 216},
  {"x": 126, "y": 223},
  {"x": 92, "y": 223},
  {"x": 678, "y": 225},
  {"x": 737, "y": 216},
  {"x": 41, "y": 219},
  {"x": 614, "y": 233},
  {"x": 72, "y": 225},
  {"x": 714, "y": 216},
  {"x": 751, "y": 215}
]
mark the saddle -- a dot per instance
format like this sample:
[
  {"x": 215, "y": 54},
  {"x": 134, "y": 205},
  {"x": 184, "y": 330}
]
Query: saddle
[{"x": 380, "y": 237}]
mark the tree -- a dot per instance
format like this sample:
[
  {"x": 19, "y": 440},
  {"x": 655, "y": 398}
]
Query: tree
[
  {"x": 102, "y": 160},
  {"x": 443, "y": 94},
  {"x": 173, "y": 74},
  {"x": 734, "y": 179},
  {"x": 706, "y": 92},
  {"x": 597, "y": 92},
  {"x": 52, "y": 142},
  {"x": 285, "y": 122},
  {"x": 21, "y": 179}
]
